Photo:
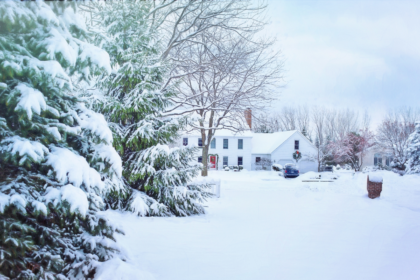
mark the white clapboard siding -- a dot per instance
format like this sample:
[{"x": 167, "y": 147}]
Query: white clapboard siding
[
  {"x": 233, "y": 152},
  {"x": 284, "y": 153}
]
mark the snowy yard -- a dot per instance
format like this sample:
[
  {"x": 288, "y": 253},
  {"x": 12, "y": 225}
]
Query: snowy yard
[{"x": 266, "y": 227}]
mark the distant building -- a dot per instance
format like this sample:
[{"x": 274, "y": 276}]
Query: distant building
[{"x": 377, "y": 156}]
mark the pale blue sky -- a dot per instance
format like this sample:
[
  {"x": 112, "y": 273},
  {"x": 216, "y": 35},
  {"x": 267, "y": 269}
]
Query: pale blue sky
[{"x": 357, "y": 54}]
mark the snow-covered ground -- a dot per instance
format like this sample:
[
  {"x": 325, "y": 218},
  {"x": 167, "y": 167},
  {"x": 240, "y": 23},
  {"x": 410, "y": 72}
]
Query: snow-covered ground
[{"x": 266, "y": 227}]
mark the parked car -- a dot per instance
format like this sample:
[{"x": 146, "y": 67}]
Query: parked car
[
  {"x": 328, "y": 169},
  {"x": 290, "y": 170},
  {"x": 277, "y": 167}
]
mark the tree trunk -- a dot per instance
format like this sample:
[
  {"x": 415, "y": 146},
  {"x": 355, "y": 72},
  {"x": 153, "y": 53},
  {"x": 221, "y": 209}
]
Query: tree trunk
[
  {"x": 205, "y": 154},
  {"x": 319, "y": 162}
]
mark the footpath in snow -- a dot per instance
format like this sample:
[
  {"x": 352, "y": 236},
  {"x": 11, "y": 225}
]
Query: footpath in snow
[{"x": 266, "y": 227}]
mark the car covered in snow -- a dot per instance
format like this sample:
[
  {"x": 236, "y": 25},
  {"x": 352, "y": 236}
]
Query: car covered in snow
[
  {"x": 290, "y": 170},
  {"x": 277, "y": 167}
]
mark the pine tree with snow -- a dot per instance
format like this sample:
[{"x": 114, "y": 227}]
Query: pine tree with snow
[
  {"x": 56, "y": 156},
  {"x": 413, "y": 151},
  {"x": 160, "y": 176}
]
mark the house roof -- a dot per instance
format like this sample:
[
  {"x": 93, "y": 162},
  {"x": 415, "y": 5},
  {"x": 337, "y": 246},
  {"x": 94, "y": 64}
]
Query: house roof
[
  {"x": 225, "y": 133},
  {"x": 266, "y": 143},
  {"x": 262, "y": 143}
]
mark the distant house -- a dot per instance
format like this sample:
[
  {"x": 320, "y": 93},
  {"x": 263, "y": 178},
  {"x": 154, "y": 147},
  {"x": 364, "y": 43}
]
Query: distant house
[
  {"x": 377, "y": 156},
  {"x": 250, "y": 149}
]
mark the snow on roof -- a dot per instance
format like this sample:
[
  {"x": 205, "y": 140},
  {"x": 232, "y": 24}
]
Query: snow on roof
[
  {"x": 266, "y": 143},
  {"x": 225, "y": 133},
  {"x": 262, "y": 143}
]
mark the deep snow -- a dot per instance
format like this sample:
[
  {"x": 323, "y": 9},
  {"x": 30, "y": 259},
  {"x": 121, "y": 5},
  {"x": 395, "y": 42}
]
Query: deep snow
[{"x": 266, "y": 227}]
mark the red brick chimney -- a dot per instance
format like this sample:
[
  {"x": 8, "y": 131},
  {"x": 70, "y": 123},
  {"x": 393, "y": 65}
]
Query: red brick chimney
[{"x": 248, "y": 117}]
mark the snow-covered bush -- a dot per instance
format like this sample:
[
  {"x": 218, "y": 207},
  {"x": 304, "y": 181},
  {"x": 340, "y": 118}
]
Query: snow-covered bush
[
  {"x": 277, "y": 167},
  {"x": 413, "y": 151},
  {"x": 393, "y": 136},
  {"x": 56, "y": 156},
  {"x": 368, "y": 169},
  {"x": 136, "y": 99},
  {"x": 380, "y": 166},
  {"x": 264, "y": 164}
]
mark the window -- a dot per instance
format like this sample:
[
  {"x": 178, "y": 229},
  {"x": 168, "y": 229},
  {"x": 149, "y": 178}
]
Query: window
[
  {"x": 240, "y": 144},
  {"x": 257, "y": 159},
  {"x": 240, "y": 161},
  {"x": 296, "y": 144},
  {"x": 213, "y": 144},
  {"x": 389, "y": 160},
  {"x": 185, "y": 141},
  {"x": 200, "y": 159},
  {"x": 225, "y": 161},
  {"x": 225, "y": 144},
  {"x": 200, "y": 142},
  {"x": 377, "y": 159}
]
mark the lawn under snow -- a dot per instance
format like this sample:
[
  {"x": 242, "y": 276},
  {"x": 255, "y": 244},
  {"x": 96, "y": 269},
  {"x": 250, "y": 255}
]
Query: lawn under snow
[{"x": 267, "y": 227}]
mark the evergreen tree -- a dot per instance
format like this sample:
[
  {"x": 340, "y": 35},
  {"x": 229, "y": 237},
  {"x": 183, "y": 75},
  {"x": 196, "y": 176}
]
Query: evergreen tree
[
  {"x": 413, "y": 151},
  {"x": 304, "y": 132},
  {"x": 160, "y": 177},
  {"x": 56, "y": 156}
]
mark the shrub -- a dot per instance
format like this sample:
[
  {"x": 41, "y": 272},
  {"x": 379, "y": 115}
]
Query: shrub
[{"x": 277, "y": 167}]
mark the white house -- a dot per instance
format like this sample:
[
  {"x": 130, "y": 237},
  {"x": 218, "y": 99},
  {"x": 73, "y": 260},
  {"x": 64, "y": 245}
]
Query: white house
[
  {"x": 279, "y": 148},
  {"x": 377, "y": 156},
  {"x": 249, "y": 149}
]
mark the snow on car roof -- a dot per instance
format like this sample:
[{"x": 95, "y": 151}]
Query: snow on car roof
[{"x": 266, "y": 143}]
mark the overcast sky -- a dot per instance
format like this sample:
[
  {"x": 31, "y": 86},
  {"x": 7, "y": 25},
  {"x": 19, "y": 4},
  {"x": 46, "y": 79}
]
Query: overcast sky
[{"x": 357, "y": 54}]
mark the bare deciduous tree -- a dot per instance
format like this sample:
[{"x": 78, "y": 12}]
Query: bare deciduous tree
[
  {"x": 393, "y": 132},
  {"x": 265, "y": 123},
  {"x": 226, "y": 74},
  {"x": 347, "y": 122},
  {"x": 319, "y": 115},
  {"x": 182, "y": 22},
  {"x": 304, "y": 120},
  {"x": 288, "y": 118},
  {"x": 352, "y": 148}
]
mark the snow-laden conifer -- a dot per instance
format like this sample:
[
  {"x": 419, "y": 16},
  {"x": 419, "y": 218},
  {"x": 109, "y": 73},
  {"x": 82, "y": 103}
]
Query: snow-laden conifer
[
  {"x": 56, "y": 156},
  {"x": 137, "y": 97},
  {"x": 413, "y": 151}
]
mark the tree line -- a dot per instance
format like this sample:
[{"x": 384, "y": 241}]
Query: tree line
[{"x": 344, "y": 136}]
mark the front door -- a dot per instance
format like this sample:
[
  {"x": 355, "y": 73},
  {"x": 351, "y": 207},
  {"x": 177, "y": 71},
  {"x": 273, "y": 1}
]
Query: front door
[{"x": 212, "y": 161}]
